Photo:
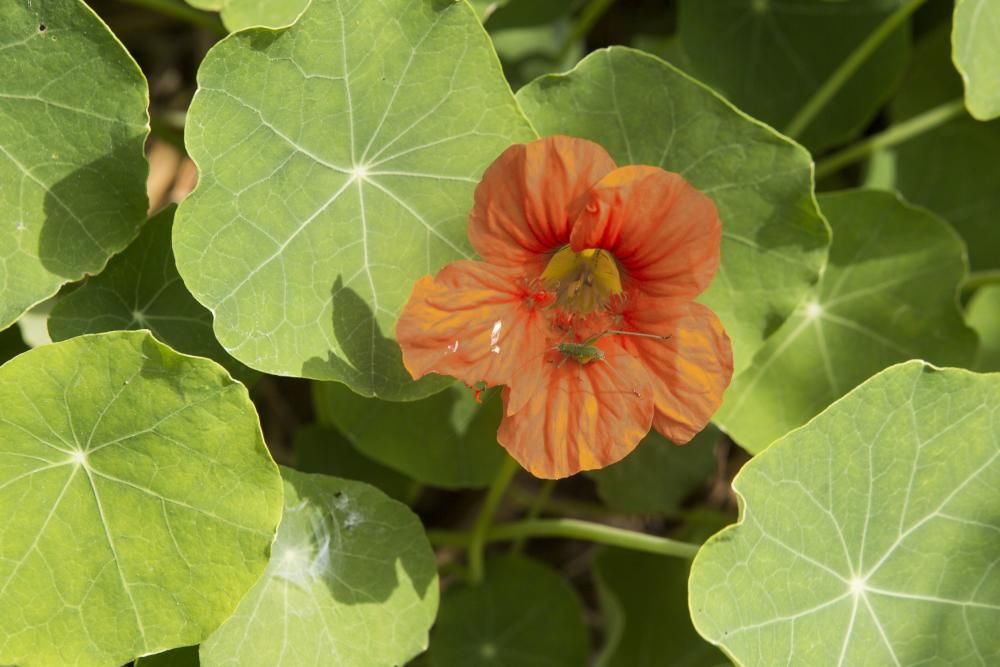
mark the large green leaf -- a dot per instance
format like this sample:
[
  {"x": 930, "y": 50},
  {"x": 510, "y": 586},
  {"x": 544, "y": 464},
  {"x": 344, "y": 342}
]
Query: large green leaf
[
  {"x": 242, "y": 14},
  {"x": 976, "y": 51},
  {"x": 984, "y": 317},
  {"x": 769, "y": 56},
  {"x": 645, "y": 111},
  {"x": 338, "y": 159},
  {"x": 658, "y": 475},
  {"x": 445, "y": 440},
  {"x": 351, "y": 582},
  {"x": 888, "y": 294},
  {"x": 522, "y": 613},
  {"x": 72, "y": 126},
  {"x": 951, "y": 169},
  {"x": 140, "y": 289},
  {"x": 869, "y": 536},
  {"x": 139, "y": 501}
]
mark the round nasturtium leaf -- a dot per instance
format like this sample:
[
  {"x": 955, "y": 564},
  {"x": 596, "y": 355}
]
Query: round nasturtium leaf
[
  {"x": 338, "y": 159},
  {"x": 976, "y": 52},
  {"x": 242, "y": 14},
  {"x": 352, "y": 582},
  {"x": 72, "y": 125},
  {"x": 769, "y": 57},
  {"x": 140, "y": 289},
  {"x": 889, "y": 293},
  {"x": 869, "y": 536},
  {"x": 645, "y": 111},
  {"x": 445, "y": 440},
  {"x": 139, "y": 501},
  {"x": 522, "y": 613}
]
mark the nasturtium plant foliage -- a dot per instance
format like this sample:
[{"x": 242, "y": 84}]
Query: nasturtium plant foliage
[{"x": 499, "y": 333}]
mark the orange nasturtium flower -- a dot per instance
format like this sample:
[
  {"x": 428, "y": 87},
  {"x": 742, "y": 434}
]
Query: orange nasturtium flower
[{"x": 582, "y": 306}]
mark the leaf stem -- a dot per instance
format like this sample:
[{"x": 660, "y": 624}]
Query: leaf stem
[
  {"x": 179, "y": 10},
  {"x": 535, "y": 509},
  {"x": 477, "y": 538},
  {"x": 896, "y": 134},
  {"x": 840, "y": 76},
  {"x": 979, "y": 279},
  {"x": 572, "y": 529},
  {"x": 588, "y": 17}
]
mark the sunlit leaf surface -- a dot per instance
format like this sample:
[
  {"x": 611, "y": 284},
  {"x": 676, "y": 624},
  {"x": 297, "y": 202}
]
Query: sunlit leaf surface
[
  {"x": 139, "y": 501},
  {"x": 888, "y": 294},
  {"x": 774, "y": 240},
  {"x": 976, "y": 51},
  {"x": 72, "y": 126},
  {"x": 351, "y": 582},
  {"x": 338, "y": 159},
  {"x": 869, "y": 536}
]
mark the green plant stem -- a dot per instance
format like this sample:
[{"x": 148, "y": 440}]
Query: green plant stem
[
  {"x": 477, "y": 540},
  {"x": 840, "y": 76},
  {"x": 179, "y": 10},
  {"x": 896, "y": 134},
  {"x": 590, "y": 15},
  {"x": 535, "y": 509},
  {"x": 571, "y": 529},
  {"x": 979, "y": 279}
]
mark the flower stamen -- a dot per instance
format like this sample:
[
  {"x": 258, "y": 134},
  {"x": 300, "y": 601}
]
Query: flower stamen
[{"x": 583, "y": 281}]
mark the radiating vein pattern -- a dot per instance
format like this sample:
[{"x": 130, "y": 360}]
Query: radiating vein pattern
[
  {"x": 338, "y": 159},
  {"x": 72, "y": 126},
  {"x": 889, "y": 293},
  {"x": 141, "y": 501},
  {"x": 869, "y": 536}
]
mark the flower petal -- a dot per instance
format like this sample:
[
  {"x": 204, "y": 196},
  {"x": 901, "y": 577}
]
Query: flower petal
[
  {"x": 585, "y": 416},
  {"x": 472, "y": 321},
  {"x": 529, "y": 197},
  {"x": 663, "y": 232},
  {"x": 690, "y": 370}
]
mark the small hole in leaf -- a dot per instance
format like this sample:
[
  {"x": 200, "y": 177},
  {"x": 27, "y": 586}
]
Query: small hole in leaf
[{"x": 41, "y": 27}]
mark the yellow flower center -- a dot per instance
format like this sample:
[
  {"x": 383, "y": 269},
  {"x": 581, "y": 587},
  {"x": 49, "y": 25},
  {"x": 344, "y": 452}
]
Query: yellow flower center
[{"x": 583, "y": 281}]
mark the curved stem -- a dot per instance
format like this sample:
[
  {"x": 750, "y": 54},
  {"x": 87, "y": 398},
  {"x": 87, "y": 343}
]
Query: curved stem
[
  {"x": 896, "y": 134},
  {"x": 477, "y": 539},
  {"x": 572, "y": 529},
  {"x": 979, "y": 279},
  {"x": 840, "y": 76}
]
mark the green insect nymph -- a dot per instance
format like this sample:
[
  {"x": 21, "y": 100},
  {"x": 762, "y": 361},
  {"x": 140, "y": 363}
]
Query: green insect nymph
[{"x": 586, "y": 352}]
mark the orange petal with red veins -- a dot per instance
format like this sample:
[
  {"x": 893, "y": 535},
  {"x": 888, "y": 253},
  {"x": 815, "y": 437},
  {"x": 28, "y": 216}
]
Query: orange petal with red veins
[
  {"x": 583, "y": 417},
  {"x": 529, "y": 197},
  {"x": 472, "y": 321},
  {"x": 690, "y": 370},
  {"x": 663, "y": 232}
]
